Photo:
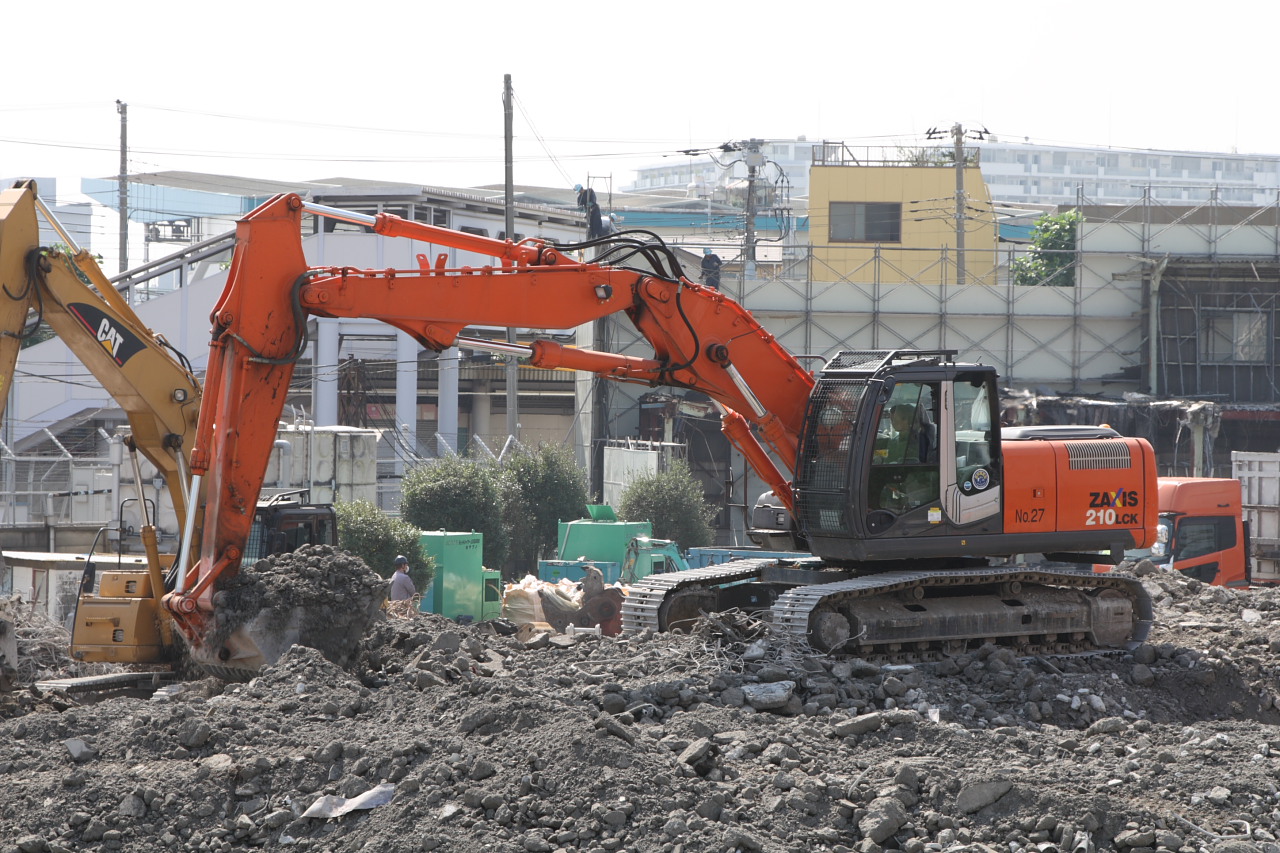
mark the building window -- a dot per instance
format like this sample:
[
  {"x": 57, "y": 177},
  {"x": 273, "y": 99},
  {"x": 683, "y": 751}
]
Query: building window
[
  {"x": 866, "y": 222},
  {"x": 1239, "y": 336}
]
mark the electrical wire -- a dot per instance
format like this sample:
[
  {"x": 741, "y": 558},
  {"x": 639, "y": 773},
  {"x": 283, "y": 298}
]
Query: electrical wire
[{"x": 538, "y": 136}]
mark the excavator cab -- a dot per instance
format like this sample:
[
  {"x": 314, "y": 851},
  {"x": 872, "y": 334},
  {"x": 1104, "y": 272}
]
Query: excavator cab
[
  {"x": 284, "y": 523},
  {"x": 900, "y": 447}
]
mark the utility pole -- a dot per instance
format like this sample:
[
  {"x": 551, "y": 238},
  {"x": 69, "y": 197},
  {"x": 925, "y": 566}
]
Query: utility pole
[
  {"x": 513, "y": 399},
  {"x": 123, "y": 109},
  {"x": 957, "y": 136},
  {"x": 754, "y": 158}
]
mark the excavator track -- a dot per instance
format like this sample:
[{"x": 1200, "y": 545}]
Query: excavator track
[
  {"x": 919, "y": 616},
  {"x": 646, "y": 598},
  {"x": 900, "y": 616}
]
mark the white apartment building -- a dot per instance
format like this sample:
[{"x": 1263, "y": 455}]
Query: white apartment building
[
  {"x": 1041, "y": 174},
  {"x": 1014, "y": 172}
]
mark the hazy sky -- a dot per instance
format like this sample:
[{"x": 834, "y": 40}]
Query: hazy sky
[{"x": 413, "y": 91}]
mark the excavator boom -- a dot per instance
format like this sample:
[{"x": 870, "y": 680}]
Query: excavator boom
[{"x": 146, "y": 377}]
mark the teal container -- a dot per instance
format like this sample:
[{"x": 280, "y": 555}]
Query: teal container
[
  {"x": 701, "y": 557},
  {"x": 596, "y": 541},
  {"x": 553, "y": 571},
  {"x": 462, "y": 589}
]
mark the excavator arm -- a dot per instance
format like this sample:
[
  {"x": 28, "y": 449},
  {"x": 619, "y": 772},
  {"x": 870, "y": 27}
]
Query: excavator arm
[
  {"x": 148, "y": 379},
  {"x": 701, "y": 340}
]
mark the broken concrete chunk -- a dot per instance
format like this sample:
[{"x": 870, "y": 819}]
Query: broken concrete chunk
[
  {"x": 767, "y": 697},
  {"x": 696, "y": 751},
  {"x": 80, "y": 751},
  {"x": 859, "y": 725},
  {"x": 978, "y": 795}
]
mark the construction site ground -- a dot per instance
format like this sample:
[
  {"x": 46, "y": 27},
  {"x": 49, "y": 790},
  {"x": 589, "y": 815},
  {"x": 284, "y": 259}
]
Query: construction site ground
[{"x": 467, "y": 738}]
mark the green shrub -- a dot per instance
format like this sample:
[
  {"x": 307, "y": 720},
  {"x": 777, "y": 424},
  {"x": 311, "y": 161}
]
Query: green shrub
[
  {"x": 543, "y": 487},
  {"x": 1051, "y": 260},
  {"x": 673, "y": 502},
  {"x": 459, "y": 495},
  {"x": 377, "y": 538}
]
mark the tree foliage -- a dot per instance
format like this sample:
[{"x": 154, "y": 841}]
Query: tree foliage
[
  {"x": 542, "y": 487},
  {"x": 377, "y": 538},
  {"x": 459, "y": 494},
  {"x": 1051, "y": 259},
  {"x": 673, "y": 502}
]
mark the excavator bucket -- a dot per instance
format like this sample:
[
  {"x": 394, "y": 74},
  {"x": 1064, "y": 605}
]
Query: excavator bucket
[{"x": 317, "y": 596}]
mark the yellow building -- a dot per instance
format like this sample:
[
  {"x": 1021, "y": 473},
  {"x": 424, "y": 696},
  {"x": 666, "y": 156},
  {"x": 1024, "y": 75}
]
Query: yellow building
[{"x": 895, "y": 219}]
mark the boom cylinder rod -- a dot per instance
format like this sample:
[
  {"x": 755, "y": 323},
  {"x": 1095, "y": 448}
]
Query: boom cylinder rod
[
  {"x": 522, "y": 350},
  {"x": 184, "y": 554},
  {"x": 55, "y": 224},
  {"x": 744, "y": 389},
  {"x": 137, "y": 484},
  {"x": 340, "y": 214},
  {"x": 184, "y": 481}
]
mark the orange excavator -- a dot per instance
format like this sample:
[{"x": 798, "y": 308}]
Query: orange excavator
[{"x": 892, "y": 463}]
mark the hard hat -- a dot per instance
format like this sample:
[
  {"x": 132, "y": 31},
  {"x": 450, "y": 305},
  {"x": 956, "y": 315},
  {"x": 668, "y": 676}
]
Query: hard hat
[
  {"x": 706, "y": 251},
  {"x": 577, "y": 188},
  {"x": 402, "y": 560}
]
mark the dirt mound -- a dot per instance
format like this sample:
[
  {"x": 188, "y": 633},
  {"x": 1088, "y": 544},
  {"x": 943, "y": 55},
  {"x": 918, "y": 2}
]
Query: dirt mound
[{"x": 457, "y": 738}]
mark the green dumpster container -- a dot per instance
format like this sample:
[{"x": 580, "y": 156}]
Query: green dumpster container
[{"x": 462, "y": 589}]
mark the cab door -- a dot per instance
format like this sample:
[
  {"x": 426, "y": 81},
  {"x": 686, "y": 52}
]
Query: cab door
[{"x": 970, "y": 460}]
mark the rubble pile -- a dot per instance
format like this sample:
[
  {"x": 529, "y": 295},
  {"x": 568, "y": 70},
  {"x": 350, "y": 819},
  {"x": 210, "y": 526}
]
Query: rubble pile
[
  {"x": 319, "y": 596},
  {"x": 462, "y": 738}
]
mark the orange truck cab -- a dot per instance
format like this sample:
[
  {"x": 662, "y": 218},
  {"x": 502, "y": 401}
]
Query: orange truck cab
[{"x": 1201, "y": 532}]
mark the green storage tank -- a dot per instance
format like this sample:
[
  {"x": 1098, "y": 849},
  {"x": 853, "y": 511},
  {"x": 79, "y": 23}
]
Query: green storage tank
[{"x": 462, "y": 589}]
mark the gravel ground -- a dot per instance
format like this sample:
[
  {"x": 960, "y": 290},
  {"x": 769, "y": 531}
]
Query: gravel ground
[{"x": 451, "y": 738}]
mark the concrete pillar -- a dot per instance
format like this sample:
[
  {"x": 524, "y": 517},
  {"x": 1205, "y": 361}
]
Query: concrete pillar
[
  {"x": 406, "y": 396},
  {"x": 324, "y": 387},
  {"x": 481, "y": 410},
  {"x": 447, "y": 417}
]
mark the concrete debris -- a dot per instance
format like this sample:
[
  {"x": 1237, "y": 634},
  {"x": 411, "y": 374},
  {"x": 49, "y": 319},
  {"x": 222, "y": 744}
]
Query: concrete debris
[{"x": 721, "y": 740}]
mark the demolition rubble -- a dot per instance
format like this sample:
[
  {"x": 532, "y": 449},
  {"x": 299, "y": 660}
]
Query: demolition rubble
[{"x": 442, "y": 737}]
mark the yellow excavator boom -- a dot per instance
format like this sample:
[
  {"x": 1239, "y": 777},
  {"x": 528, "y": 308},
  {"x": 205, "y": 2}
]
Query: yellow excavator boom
[{"x": 148, "y": 379}]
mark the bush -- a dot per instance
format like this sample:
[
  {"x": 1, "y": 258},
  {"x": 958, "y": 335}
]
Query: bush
[
  {"x": 1050, "y": 261},
  {"x": 458, "y": 494},
  {"x": 673, "y": 503},
  {"x": 377, "y": 538},
  {"x": 543, "y": 487}
]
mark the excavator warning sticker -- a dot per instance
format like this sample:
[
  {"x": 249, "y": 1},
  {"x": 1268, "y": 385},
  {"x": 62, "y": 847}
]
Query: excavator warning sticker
[{"x": 119, "y": 343}]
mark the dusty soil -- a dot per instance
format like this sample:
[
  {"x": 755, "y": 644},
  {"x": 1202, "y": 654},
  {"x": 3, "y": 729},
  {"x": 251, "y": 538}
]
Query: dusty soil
[{"x": 457, "y": 738}]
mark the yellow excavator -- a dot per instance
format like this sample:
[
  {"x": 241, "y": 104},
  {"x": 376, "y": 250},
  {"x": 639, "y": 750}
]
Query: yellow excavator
[{"x": 122, "y": 622}]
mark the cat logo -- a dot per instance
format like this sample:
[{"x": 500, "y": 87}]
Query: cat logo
[
  {"x": 119, "y": 343},
  {"x": 110, "y": 339}
]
